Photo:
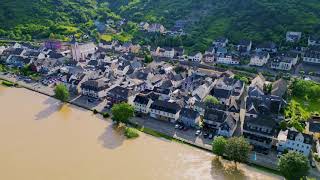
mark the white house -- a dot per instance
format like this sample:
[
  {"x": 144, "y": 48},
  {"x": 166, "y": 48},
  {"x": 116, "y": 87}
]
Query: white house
[
  {"x": 312, "y": 57},
  {"x": 165, "y": 52},
  {"x": 259, "y": 59},
  {"x": 293, "y": 140},
  {"x": 142, "y": 104},
  {"x": 227, "y": 59},
  {"x": 156, "y": 28},
  {"x": 208, "y": 58},
  {"x": 196, "y": 57},
  {"x": 164, "y": 110}
]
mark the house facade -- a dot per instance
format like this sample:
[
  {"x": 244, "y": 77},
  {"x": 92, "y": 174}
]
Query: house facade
[
  {"x": 259, "y": 59},
  {"x": 94, "y": 88},
  {"x": 292, "y": 140},
  {"x": 164, "y": 110},
  {"x": 189, "y": 117}
]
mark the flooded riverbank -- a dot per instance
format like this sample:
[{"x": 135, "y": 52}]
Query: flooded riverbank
[{"x": 42, "y": 139}]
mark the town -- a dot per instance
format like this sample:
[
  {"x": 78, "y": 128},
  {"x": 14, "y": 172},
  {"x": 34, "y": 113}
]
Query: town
[{"x": 193, "y": 97}]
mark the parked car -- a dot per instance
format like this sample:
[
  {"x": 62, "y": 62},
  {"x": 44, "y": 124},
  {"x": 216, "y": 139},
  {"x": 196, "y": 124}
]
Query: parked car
[
  {"x": 198, "y": 132},
  {"x": 176, "y": 126},
  {"x": 205, "y": 135},
  {"x": 210, "y": 136}
]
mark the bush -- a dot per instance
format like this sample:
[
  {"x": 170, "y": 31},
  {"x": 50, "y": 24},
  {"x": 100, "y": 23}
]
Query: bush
[
  {"x": 106, "y": 115},
  {"x": 131, "y": 133},
  {"x": 7, "y": 83},
  {"x": 95, "y": 111}
]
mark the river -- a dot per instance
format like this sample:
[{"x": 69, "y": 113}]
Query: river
[{"x": 41, "y": 139}]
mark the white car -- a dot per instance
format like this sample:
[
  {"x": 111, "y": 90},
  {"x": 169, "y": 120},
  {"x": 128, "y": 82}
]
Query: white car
[{"x": 198, "y": 132}]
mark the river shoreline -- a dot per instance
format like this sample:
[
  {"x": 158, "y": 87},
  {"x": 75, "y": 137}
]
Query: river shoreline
[{"x": 145, "y": 130}]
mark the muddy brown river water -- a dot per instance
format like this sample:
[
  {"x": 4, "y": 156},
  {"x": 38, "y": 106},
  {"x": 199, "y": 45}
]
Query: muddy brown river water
[{"x": 40, "y": 139}]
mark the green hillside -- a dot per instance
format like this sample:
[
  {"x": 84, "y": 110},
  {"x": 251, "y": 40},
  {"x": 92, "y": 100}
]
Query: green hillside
[
  {"x": 254, "y": 19},
  {"x": 258, "y": 20}
]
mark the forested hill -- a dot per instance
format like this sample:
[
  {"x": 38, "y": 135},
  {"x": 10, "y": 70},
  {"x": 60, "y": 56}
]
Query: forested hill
[
  {"x": 21, "y": 19},
  {"x": 255, "y": 19},
  {"x": 206, "y": 19}
]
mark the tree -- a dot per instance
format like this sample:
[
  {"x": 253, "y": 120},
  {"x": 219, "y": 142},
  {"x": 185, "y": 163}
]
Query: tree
[
  {"x": 211, "y": 100},
  {"x": 237, "y": 149},
  {"x": 293, "y": 165},
  {"x": 218, "y": 145},
  {"x": 61, "y": 92},
  {"x": 122, "y": 112},
  {"x": 148, "y": 58},
  {"x": 297, "y": 115}
]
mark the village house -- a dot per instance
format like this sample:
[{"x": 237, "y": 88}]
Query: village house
[
  {"x": 293, "y": 140},
  {"x": 220, "y": 122},
  {"x": 260, "y": 131},
  {"x": 119, "y": 94},
  {"x": 165, "y": 52},
  {"x": 244, "y": 46},
  {"x": 220, "y": 42},
  {"x": 284, "y": 61},
  {"x": 18, "y": 61},
  {"x": 227, "y": 59},
  {"x": 144, "y": 26},
  {"x": 196, "y": 57},
  {"x": 267, "y": 47},
  {"x": 159, "y": 28},
  {"x": 208, "y": 58},
  {"x": 259, "y": 59},
  {"x": 293, "y": 36},
  {"x": 226, "y": 87},
  {"x": 189, "y": 117},
  {"x": 142, "y": 104},
  {"x": 94, "y": 88},
  {"x": 312, "y": 55},
  {"x": 314, "y": 41},
  {"x": 164, "y": 110},
  {"x": 107, "y": 44}
]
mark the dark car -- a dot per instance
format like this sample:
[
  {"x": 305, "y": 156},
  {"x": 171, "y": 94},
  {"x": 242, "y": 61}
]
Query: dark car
[{"x": 205, "y": 135}]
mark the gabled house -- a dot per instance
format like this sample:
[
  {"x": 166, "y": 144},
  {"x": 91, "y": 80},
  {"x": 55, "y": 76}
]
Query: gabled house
[
  {"x": 94, "y": 88},
  {"x": 220, "y": 42},
  {"x": 312, "y": 55},
  {"x": 227, "y": 59},
  {"x": 281, "y": 63},
  {"x": 167, "y": 52},
  {"x": 196, "y": 57},
  {"x": 18, "y": 61},
  {"x": 267, "y": 47},
  {"x": 293, "y": 36},
  {"x": 164, "y": 110},
  {"x": 244, "y": 46},
  {"x": 293, "y": 140},
  {"x": 208, "y": 58},
  {"x": 314, "y": 41},
  {"x": 279, "y": 87},
  {"x": 156, "y": 28},
  {"x": 224, "y": 123},
  {"x": 189, "y": 117},
  {"x": 259, "y": 58},
  {"x": 142, "y": 104},
  {"x": 119, "y": 94},
  {"x": 226, "y": 87},
  {"x": 260, "y": 131}
]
